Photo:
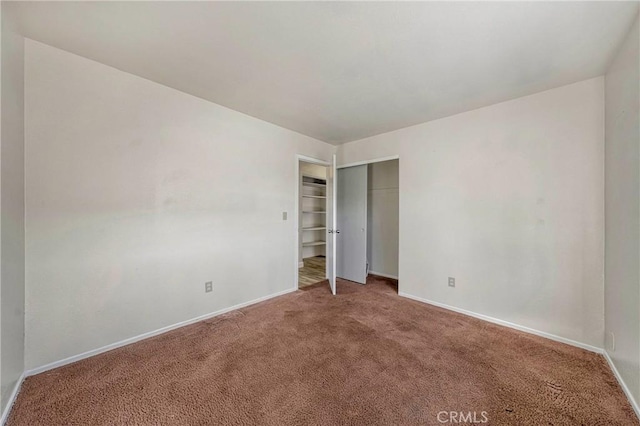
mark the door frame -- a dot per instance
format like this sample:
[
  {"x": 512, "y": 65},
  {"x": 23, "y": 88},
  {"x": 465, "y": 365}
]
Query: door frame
[
  {"x": 375, "y": 160},
  {"x": 380, "y": 160},
  {"x": 296, "y": 212}
]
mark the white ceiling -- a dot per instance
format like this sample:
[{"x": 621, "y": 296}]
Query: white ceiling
[{"x": 341, "y": 71}]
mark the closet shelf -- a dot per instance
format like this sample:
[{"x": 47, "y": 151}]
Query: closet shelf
[
  {"x": 311, "y": 178},
  {"x": 314, "y": 243},
  {"x": 316, "y": 185},
  {"x": 313, "y": 213}
]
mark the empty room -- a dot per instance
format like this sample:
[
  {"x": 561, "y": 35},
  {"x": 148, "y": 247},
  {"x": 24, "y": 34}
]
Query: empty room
[{"x": 319, "y": 213}]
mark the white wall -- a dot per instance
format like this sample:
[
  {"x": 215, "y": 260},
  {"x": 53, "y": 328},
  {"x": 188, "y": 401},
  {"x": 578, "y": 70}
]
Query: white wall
[
  {"x": 382, "y": 217},
  {"x": 622, "y": 202},
  {"x": 136, "y": 195},
  {"x": 508, "y": 199},
  {"x": 12, "y": 282}
]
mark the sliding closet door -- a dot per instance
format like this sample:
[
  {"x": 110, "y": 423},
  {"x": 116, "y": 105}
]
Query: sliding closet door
[{"x": 352, "y": 224}]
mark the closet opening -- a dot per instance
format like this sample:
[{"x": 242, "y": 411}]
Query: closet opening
[
  {"x": 368, "y": 199},
  {"x": 312, "y": 224}
]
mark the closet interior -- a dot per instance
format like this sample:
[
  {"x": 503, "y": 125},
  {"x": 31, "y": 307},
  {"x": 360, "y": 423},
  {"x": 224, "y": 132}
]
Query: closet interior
[
  {"x": 368, "y": 219},
  {"x": 312, "y": 224}
]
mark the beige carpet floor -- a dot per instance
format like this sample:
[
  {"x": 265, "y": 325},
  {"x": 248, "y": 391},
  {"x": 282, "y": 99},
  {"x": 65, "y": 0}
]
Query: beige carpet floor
[{"x": 364, "y": 357}]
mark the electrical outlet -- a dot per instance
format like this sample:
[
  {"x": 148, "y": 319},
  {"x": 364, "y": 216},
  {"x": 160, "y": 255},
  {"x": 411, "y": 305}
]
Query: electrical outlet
[
  {"x": 284, "y": 215},
  {"x": 208, "y": 287},
  {"x": 452, "y": 282}
]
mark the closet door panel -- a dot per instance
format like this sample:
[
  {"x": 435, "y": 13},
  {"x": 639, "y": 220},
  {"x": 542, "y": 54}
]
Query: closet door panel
[{"x": 351, "y": 253}]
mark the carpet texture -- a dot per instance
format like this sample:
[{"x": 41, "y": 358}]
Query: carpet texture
[{"x": 364, "y": 357}]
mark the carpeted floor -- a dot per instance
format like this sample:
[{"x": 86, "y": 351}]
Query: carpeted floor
[{"x": 364, "y": 357}]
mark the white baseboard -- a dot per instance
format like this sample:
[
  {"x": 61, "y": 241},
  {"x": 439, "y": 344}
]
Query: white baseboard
[
  {"x": 623, "y": 385},
  {"x": 12, "y": 399},
  {"x": 380, "y": 274},
  {"x": 507, "y": 324},
  {"x": 143, "y": 336},
  {"x": 300, "y": 264}
]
